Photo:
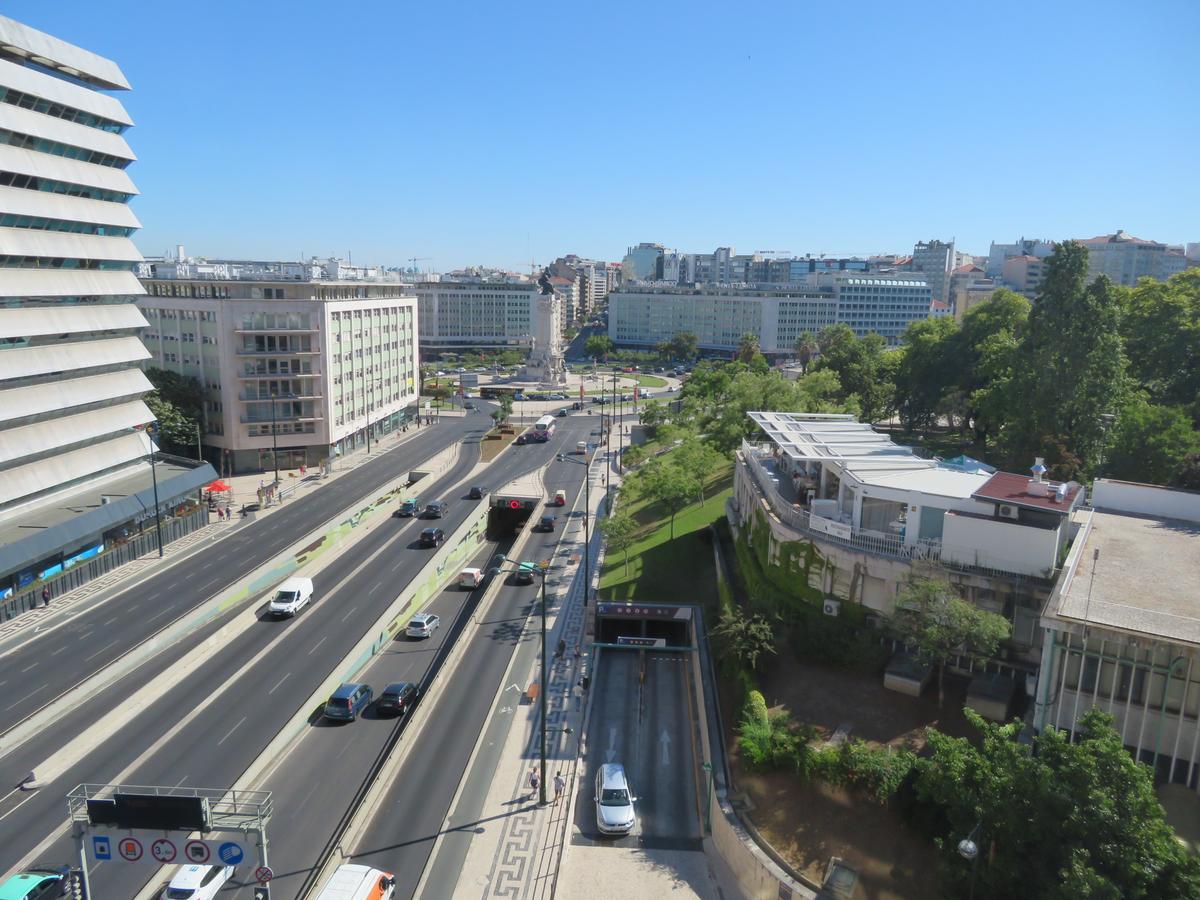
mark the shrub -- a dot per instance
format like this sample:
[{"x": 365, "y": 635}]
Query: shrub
[
  {"x": 876, "y": 771},
  {"x": 756, "y": 708},
  {"x": 767, "y": 743}
]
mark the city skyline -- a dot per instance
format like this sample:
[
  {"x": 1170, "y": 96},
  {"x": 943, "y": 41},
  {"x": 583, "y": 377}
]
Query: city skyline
[{"x": 466, "y": 154}]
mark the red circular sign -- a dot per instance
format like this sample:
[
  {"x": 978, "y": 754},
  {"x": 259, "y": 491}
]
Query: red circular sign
[
  {"x": 263, "y": 874},
  {"x": 514, "y": 504},
  {"x": 130, "y": 849},
  {"x": 197, "y": 852}
]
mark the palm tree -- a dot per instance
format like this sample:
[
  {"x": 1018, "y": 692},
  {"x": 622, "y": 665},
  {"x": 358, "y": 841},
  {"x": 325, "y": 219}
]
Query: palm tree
[
  {"x": 748, "y": 347},
  {"x": 806, "y": 349}
]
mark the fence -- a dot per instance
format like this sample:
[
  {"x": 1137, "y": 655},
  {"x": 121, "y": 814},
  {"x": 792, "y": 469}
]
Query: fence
[{"x": 173, "y": 528}]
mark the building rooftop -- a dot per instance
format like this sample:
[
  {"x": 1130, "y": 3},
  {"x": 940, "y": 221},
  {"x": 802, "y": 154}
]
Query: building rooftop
[
  {"x": 1141, "y": 573},
  {"x": 1006, "y": 487},
  {"x": 50, "y": 52},
  {"x": 1119, "y": 237}
]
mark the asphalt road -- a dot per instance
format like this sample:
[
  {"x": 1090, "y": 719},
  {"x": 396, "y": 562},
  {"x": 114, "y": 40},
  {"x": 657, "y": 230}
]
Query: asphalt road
[
  {"x": 37, "y": 672},
  {"x": 413, "y": 813},
  {"x": 651, "y": 733},
  {"x": 212, "y": 726}
]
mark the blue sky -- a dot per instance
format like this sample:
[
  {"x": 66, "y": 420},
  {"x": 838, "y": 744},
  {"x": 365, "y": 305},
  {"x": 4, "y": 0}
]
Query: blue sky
[{"x": 492, "y": 133}]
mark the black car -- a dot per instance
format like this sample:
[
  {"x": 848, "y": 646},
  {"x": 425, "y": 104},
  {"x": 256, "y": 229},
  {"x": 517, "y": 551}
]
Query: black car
[
  {"x": 397, "y": 699},
  {"x": 476, "y": 493},
  {"x": 523, "y": 575},
  {"x": 436, "y": 509},
  {"x": 521, "y": 439},
  {"x": 432, "y": 537},
  {"x": 546, "y": 523}
]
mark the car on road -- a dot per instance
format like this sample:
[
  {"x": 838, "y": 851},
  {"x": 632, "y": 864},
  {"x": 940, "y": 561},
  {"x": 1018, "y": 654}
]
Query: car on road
[
  {"x": 476, "y": 493},
  {"x": 460, "y": 370},
  {"x": 351, "y": 882},
  {"x": 468, "y": 405},
  {"x": 523, "y": 574},
  {"x": 562, "y": 413},
  {"x": 422, "y": 625},
  {"x": 556, "y": 397},
  {"x": 614, "y": 802},
  {"x": 470, "y": 578},
  {"x": 348, "y": 701},
  {"x": 519, "y": 396},
  {"x": 577, "y": 405},
  {"x": 196, "y": 882},
  {"x": 522, "y": 439},
  {"x": 409, "y": 506},
  {"x": 39, "y": 882},
  {"x": 432, "y": 537},
  {"x": 397, "y": 699},
  {"x": 546, "y": 523},
  {"x": 436, "y": 509},
  {"x": 560, "y": 498},
  {"x": 291, "y": 597}
]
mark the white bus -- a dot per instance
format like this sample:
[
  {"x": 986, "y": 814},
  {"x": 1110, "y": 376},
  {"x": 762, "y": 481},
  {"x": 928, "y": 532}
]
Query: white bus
[{"x": 543, "y": 429}]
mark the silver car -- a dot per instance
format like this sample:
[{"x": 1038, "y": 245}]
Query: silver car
[
  {"x": 614, "y": 802},
  {"x": 422, "y": 625}
]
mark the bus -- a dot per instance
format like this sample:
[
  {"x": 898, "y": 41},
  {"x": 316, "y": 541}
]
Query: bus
[
  {"x": 497, "y": 391},
  {"x": 543, "y": 429}
]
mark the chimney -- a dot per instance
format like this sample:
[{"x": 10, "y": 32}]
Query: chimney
[{"x": 1037, "y": 487}]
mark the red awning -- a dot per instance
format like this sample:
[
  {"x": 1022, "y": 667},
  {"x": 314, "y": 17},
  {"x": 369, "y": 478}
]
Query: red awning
[{"x": 218, "y": 487}]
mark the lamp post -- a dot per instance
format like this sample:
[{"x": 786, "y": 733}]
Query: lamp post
[
  {"x": 152, "y": 430},
  {"x": 587, "y": 511},
  {"x": 968, "y": 849},
  {"x": 274, "y": 439},
  {"x": 199, "y": 451},
  {"x": 540, "y": 571},
  {"x": 370, "y": 400}
]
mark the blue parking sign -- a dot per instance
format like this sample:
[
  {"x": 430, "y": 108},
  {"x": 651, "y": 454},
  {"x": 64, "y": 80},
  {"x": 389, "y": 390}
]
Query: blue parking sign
[
  {"x": 101, "y": 847},
  {"x": 230, "y": 853}
]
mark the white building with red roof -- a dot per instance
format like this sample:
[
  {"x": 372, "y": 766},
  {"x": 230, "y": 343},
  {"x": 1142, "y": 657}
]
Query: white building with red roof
[{"x": 1125, "y": 258}]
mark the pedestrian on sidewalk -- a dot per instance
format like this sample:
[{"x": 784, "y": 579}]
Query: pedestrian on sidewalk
[
  {"x": 46, "y": 595},
  {"x": 534, "y": 782},
  {"x": 560, "y": 649},
  {"x": 220, "y": 514},
  {"x": 560, "y": 784},
  {"x": 578, "y": 691},
  {"x": 229, "y": 513}
]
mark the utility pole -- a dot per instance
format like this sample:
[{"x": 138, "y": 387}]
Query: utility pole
[
  {"x": 152, "y": 430},
  {"x": 274, "y": 441}
]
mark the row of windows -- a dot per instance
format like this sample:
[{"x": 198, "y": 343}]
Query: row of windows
[
  {"x": 59, "y": 110},
  {"x": 161, "y": 289},
  {"x": 84, "y": 300},
  {"x": 33, "y": 183},
  {"x": 187, "y": 337},
  {"x": 39, "y": 223},
  {"x": 282, "y": 428},
  {"x": 59, "y": 262},
  {"x": 197, "y": 315},
  {"x": 54, "y": 148}
]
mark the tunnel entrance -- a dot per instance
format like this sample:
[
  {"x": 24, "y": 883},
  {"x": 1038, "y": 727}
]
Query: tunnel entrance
[
  {"x": 507, "y": 515},
  {"x": 636, "y": 626}
]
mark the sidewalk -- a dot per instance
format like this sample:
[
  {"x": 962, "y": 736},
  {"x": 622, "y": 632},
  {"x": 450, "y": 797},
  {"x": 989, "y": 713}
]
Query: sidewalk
[
  {"x": 524, "y": 856},
  {"x": 245, "y": 492}
]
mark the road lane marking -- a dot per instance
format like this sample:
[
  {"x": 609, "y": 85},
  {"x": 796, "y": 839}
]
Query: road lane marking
[
  {"x": 349, "y": 614},
  {"x": 209, "y": 584},
  {"x": 32, "y": 794},
  {"x": 230, "y": 731},
  {"x": 26, "y": 697},
  {"x": 30, "y": 668},
  {"x": 316, "y": 645},
  {"x": 101, "y": 650},
  {"x": 166, "y": 611},
  {"x": 378, "y": 585},
  {"x": 281, "y": 681},
  {"x": 110, "y": 621}
]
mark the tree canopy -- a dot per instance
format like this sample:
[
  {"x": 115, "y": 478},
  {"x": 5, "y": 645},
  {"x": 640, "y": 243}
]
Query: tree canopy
[{"x": 598, "y": 345}]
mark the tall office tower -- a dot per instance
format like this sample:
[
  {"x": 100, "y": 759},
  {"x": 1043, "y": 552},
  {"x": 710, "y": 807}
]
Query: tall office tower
[
  {"x": 71, "y": 410},
  {"x": 935, "y": 259}
]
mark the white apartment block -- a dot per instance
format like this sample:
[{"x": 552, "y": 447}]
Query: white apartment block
[
  {"x": 476, "y": 315},
  {"x": 1125, "y": 259},
  {"x": 645, "y": 315},
  {"x": 309, "y": 367},
  {"x": 72, "y": 419}
]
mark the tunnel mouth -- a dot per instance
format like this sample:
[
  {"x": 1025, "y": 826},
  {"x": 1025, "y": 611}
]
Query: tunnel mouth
[{"x": 508, "y": 515}]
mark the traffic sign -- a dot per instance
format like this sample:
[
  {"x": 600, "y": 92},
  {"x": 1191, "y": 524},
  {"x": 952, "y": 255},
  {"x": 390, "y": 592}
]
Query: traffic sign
[
  {"x": 130, "y": 849},
  {"x": 263, "y": 874},
  {"x": 230, "y": 853},
  {"x": 197, "y": 852},
  {"x": 101, "y": 847},
  {"x": 163, "y": 850}
]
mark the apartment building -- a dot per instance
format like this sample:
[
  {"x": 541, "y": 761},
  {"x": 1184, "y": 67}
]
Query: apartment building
[
  {"x": 867, "y": 515},
  {"x": 1121, "y": 629},
  {"x": 648, "y": 314},
  {"x": 998, "y": 253},
  {"x": 484, "y": 314},
  {"x": 309, "y": 370},
  {"x": 1125, "y": 259},
  {"x": 935, "y": 260},
  {"x": 1024, "y": 274},
  {"x": 75, "y": 476}
]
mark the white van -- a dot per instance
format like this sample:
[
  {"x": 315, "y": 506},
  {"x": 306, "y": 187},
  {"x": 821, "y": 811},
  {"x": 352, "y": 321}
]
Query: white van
[
  {"x": 291, "y": 597},
  {"x": 469, "y": 579},
  {"x": 359, "y": 883}
]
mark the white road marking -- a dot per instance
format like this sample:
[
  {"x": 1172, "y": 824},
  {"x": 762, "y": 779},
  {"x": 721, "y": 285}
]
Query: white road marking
[
  {"x": 349, "y": 614},
  {"x": 101, "y": 650},
  {"x": 665, "y": 741},
  {"x": 281, "y": 681},
  {"x": 30, "y": 668},
  {"x": 110, "y": 621},
  {"x": 159, "y": 615},
  {"x": 316, "y": 645},
  {"x": 32, "y": 794},
  {"x": 611, "y": 753},
  {"x": 378, "y": 585},
  {"x": 231, "y": 731}
]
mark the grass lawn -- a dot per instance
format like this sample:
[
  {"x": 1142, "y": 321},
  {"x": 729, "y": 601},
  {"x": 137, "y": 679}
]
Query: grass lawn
[
  {"x": 651, "y": 381},
  {"x": 662, "y": 570},
  {"x": 494, "y": 442}
]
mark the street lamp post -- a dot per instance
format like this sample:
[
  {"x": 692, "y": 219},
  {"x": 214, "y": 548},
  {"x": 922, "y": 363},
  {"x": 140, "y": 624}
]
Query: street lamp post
[
  {"x": 587, "y": 511},
  {"x": 274, "y": 439},
  {"x": 968, "y": 849},
  {"x": 152, "y": 430},
  {"x": 541, "y": 572}
]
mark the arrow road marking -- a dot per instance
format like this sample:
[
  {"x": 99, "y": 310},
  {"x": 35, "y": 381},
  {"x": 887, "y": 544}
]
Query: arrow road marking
[
  {"x": 664, "y": 741},
  {"x": 513, "y": 687}
]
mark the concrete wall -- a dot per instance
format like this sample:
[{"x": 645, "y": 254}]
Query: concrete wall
[
  {"x": 999, "y": 544},
  {"x": 1146, "y": 500}
]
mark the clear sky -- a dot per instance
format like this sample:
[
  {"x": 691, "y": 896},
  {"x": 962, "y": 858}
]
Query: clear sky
[{"x": 493, "y": 133}]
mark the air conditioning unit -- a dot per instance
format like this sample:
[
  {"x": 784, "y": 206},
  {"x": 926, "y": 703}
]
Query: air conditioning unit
[
  {"x": 1007, "y": 511},
  {"x": 832, "y": 607}
]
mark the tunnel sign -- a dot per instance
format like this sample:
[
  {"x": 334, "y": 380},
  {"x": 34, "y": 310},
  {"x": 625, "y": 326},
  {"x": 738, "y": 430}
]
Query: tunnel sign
[
  {"x": 101, "y": 847},
  {"x": 641, "y": 642}
]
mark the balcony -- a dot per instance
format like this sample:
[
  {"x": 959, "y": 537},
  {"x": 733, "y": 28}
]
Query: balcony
[
  {"x": 241, "y": 329},
  {"x": 242, "y": 351},
  {"x": 279, "y": 419},
  {"x": 276, "y": 376},
  {"x": 313, "y": 394}
]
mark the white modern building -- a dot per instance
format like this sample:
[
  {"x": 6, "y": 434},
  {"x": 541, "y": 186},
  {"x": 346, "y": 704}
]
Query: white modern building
[
  {"x": 306, "y": 369},
  {"x": 476, "y": 315},
  {"x": 1125, "y": 259},
  {"x": 998, "y": 253},
  {"x": 74, "y": 455},
  {"x": 1122, "y": 627},
  {"x": 643, "y": 263},
  {"x": 647, "y": 314}
]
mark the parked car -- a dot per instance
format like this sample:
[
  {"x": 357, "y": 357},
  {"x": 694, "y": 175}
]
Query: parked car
[
  {"x": 556, "y": 397},
  {"x": 476, "y": 493},
  {"x": 436, "y": 509},
  {"x": 432, "y": 537},
  {"x": 348, "y": 701},
  {"x": 546, "y": 523},
  {"x": 422, "y": 625},
  {"x": 410, "y": 506},
  {"x": 397, "y": 699},
  {"x": 519, "y": 396},
  {"x": 614, "y": 802},
  {"x": 39, "y": 882},
  {"x": 291, "y": 597},
  {"x": 196, "y": 882}
]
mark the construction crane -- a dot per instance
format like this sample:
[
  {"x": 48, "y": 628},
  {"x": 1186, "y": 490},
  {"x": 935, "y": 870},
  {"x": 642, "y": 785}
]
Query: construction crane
[{"x": 413, "y": 260}]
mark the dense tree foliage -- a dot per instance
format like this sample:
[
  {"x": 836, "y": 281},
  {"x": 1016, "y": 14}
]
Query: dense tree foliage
[
  {"x": 177, "y": 404},
  {"x": 618, "y": 530},
  {"x": 598, "y": 346},
  {"x": 1055, "y": 819},
  {"x": 864, "y": 367}
]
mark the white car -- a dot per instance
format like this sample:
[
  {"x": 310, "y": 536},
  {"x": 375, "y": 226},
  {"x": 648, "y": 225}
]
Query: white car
[
  {"x": 614, "y": 802},
  {"x": 291, "y": 597},
  {"x": 197, "y": 882},
  {"x": 422, "y": 625}
]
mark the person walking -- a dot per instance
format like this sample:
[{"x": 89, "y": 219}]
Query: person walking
[
  {"x": 229, "y": 513},
  {"x": 220, "y": 514},
  {"x": 560, "y": 784},
  {"x": 534, "y": 782},
  {"x": 46, "y": 595}
]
